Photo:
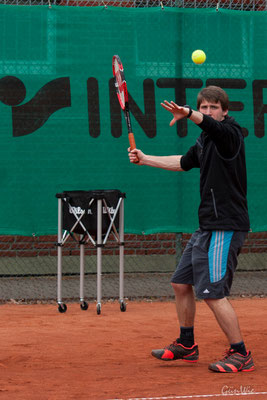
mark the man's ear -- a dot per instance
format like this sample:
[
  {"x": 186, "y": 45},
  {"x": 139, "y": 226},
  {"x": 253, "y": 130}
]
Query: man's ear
[{"x": 225, "y": 112}]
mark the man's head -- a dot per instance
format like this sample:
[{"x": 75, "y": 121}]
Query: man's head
[{"x": 213, "y": 101}]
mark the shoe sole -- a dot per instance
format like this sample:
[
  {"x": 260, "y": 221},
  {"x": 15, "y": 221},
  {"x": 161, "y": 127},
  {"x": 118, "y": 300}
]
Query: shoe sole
[
  {"x": 232, "y": 372},
  {"x": 174, "y": 359}
]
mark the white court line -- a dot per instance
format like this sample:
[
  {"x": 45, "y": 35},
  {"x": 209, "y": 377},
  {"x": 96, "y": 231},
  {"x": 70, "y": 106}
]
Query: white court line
[{"x": 195, "y": 396}]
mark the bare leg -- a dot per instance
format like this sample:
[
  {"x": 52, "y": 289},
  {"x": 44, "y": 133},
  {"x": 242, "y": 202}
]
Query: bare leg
[
  {"x": 186, "y": 308},
  {"x": 185, "y": 304},
  {"x": 226, "y": 318}
]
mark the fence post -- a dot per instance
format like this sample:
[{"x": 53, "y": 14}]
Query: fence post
[{"x": 178, "y": 246}]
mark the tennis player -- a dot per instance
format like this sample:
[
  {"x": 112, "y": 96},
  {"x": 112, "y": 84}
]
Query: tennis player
[{"x": 210, "y": 258}]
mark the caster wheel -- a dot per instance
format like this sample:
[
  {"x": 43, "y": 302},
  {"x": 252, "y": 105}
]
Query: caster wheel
[
  {"x": 123, "y": 306},
  {"x": 84, "y": 305},
  {"x": 62, "y": 308},
  {"x": 98, "y": 309}
]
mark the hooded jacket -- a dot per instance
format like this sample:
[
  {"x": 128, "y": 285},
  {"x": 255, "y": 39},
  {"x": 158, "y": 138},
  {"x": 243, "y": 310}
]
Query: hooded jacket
[{"x": 219, "y": 152}]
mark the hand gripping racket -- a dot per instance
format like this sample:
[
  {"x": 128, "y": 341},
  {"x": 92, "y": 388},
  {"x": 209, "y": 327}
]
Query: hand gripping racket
[{"x": 122, "y": 93}]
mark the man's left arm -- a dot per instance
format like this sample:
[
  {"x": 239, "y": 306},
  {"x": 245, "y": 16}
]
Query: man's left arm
[
  {"x": 180, "y": 112},
  {"x": 225, "y": 134}
]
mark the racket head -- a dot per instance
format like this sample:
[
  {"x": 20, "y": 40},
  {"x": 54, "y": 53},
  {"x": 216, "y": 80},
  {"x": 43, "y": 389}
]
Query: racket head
[{"x": 120, "y": 82}]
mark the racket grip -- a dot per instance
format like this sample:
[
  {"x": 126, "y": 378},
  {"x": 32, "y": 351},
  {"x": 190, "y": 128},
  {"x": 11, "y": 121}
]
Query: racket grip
[{"x": 131, "y": 141}]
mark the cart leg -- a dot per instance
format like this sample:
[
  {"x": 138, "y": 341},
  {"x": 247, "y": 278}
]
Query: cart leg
[
  {"x": 61, "y": 306},
  {"x": 121, "y": 232},
  {"x": 83, "y": 303},
  {"x": 99, "y": 255}
]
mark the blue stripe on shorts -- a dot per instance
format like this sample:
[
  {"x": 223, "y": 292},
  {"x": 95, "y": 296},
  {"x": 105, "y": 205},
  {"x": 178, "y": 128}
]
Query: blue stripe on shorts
[{"x": 218, "y": 254}]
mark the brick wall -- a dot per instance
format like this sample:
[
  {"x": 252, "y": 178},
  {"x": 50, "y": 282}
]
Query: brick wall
[{"x": 160, "y": 243}]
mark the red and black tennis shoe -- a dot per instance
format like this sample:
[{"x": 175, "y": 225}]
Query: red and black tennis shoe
[
  {"x": 233, "y": 362},
  {"x": 177, "y": 351}
]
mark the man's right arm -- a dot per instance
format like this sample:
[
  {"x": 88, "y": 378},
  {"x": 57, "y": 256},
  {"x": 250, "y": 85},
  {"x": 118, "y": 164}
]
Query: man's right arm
[{"x": 171, "y": 163}]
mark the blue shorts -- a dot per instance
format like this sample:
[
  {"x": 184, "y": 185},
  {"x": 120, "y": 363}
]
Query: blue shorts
[{"x": 209, "y": 262}]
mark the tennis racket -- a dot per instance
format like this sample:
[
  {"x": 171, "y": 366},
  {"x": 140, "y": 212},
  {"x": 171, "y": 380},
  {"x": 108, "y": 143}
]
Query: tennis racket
[{"x": 122, "y": 93}]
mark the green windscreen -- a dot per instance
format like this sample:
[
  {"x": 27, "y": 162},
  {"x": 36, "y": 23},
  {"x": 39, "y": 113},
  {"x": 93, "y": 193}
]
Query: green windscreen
[{"x": 62, "y": 129}]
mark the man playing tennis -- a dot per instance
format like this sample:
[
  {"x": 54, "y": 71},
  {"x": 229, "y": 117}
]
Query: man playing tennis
[{"x": 210, "y": 257}]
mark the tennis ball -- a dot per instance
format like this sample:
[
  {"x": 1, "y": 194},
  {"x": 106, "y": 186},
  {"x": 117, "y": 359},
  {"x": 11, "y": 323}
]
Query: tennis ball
[{"x": 198, "y": 56}]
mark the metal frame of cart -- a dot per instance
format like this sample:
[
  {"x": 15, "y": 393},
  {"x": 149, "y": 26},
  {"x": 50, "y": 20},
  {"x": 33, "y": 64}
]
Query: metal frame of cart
[{"x": 91, "y": 232}]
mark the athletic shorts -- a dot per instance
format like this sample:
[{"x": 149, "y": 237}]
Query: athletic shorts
[{"x": 209, "y": 262}]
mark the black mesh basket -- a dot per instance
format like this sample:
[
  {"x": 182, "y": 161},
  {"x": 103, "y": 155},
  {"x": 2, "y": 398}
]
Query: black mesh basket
[{"x": 81, "y": 201}]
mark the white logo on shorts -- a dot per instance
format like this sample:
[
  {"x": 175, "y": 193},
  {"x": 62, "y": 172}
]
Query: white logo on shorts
[{"x": 206, "y": 291}]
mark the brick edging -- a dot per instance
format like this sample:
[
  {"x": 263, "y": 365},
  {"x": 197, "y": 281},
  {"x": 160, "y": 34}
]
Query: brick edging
[{"x": 153, "y": 244}]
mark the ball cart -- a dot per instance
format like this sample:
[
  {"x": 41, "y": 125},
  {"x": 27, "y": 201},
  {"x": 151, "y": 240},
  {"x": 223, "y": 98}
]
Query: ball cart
[{"x": 91, "y": 216}]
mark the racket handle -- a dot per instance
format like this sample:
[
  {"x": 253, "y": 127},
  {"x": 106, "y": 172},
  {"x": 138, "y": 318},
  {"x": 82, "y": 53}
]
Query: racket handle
[{"x": 131, "y": 141}]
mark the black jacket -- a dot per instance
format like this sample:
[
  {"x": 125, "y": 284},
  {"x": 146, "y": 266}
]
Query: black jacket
[{"x": 219, "y": 152}]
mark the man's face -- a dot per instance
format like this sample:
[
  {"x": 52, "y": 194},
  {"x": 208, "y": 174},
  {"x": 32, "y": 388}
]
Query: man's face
[{"x": 214, "y": 110}]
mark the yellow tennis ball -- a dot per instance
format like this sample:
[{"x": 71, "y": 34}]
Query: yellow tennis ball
[{"x": 198, "y": 56}]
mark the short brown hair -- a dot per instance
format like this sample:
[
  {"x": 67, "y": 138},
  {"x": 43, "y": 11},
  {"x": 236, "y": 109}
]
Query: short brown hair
[{"x": 213, "y": 94}]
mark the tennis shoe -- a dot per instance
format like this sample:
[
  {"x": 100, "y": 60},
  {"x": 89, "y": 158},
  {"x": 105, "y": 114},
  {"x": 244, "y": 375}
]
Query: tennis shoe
[
  {"x": 233, "y": 362},
  {"x": 177, "y": 351}
]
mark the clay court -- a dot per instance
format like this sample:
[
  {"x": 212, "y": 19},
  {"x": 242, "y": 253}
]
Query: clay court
[{"x": 46, "y": 355}]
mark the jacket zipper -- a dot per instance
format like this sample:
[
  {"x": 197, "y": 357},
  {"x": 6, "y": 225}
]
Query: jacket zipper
[{"x": 214, "y": 203}]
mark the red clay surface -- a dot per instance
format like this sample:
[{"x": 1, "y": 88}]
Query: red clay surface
[{"x": 80, "y": 355}]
